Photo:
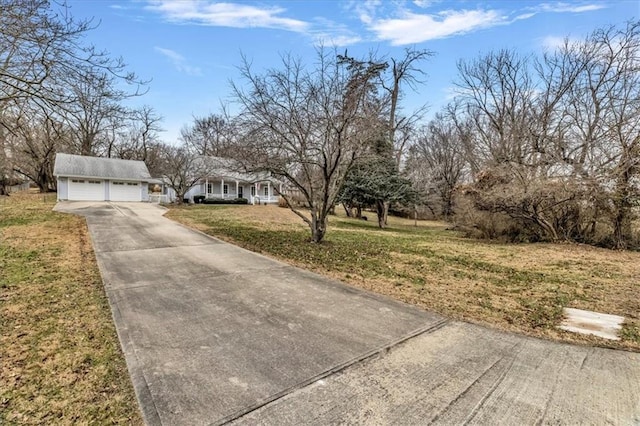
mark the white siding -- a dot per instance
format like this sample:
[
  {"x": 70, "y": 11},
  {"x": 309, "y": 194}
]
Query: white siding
[
  {"x": 63, "y": 188},
  {"x": 145, "y": 191}
]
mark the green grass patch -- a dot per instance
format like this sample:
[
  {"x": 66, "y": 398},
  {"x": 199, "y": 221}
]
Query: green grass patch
[
  {"x": 61, "y": 359},
  {"x": 517, "y": 287},
  {"x": 631, "y": 331}
]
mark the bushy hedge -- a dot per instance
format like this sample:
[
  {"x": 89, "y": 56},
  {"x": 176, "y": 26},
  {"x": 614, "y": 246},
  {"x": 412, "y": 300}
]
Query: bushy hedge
[
  {"x": 225, "y": 201},
  {"x": 198, "y": 199}
]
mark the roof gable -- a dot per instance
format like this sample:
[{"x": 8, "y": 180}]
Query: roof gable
[{"x": 98, "y": 167}]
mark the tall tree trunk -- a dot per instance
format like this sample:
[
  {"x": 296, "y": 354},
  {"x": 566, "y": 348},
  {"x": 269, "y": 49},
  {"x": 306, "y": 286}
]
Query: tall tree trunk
[
  {"x": 380, "y": 212},
  {"x": 386, "y": 212},
  {"x": 622, "y": 229},
  {"x": 318, "y": 226},
  {"x": 347, "y": 210},
  {"x": 622, "y": 220}
]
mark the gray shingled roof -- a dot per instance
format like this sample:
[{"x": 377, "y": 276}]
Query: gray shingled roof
[
  {"x": 101, "y": 168},
  {"x": 226, "y": 168}
]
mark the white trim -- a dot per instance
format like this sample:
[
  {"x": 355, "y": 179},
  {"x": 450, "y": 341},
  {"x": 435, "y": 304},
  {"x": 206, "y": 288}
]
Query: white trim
[{"x": 132, "y": 179}]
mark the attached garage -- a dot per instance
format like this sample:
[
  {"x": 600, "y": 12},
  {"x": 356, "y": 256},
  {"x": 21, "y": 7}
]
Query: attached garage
[{"x": 82, "y": 178}]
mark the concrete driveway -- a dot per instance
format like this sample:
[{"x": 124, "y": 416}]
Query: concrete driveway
[{"x": 214, "y": 334}]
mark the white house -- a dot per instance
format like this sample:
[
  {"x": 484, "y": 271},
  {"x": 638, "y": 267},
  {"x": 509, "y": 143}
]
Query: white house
[
  {"x": 224, "y": 181},
  {"x": 100, "y": 179}
]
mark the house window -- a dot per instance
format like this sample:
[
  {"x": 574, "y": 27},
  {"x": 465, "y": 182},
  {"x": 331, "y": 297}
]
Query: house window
[
  {"x": 95, "y": 181},
  {"x": 132, "y": 184},
  {"x": 209, "y": 188},
  {"x": 266, "y": 191},
  {"x": 225, "y": 189},
  {"x": 118, "y": 183},
  {"x": 253, "y": 190},
  {"x": 240, "y": 192}
]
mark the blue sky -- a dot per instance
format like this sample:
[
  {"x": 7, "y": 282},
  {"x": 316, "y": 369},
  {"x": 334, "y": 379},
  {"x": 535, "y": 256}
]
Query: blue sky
[{"x": 190, "y": 48}]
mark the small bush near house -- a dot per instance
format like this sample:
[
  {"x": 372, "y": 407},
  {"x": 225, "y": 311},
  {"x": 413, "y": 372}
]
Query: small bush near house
[
  {"x": 225, "y": 201},
  {"x": 199, "y": 199}
]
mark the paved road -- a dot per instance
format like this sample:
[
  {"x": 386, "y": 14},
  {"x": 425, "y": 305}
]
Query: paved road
[{"x": 214, "y": 334}]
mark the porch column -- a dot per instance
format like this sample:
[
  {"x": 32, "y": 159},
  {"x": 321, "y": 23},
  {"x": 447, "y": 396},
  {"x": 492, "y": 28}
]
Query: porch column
[
  {"x": 237, "y": 189},
  {"x": 222, "y": 187},
  {"x": 206, "y": 187},
  {"x": 268, "y": 191}
]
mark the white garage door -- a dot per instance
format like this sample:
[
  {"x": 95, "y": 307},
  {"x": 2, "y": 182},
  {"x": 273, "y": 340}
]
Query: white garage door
[
  {"x": 125, "y": 191},
  {"x": 86, "y": 190}
]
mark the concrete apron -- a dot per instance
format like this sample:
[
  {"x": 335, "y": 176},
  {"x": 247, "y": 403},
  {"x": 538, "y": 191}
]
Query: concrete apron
[{"x": 213, "y": 333}]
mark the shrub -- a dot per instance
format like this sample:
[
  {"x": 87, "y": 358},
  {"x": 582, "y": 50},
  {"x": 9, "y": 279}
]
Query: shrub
[
  {"x": 225, "y": 201},
  {"x": 198, "y": 199}
]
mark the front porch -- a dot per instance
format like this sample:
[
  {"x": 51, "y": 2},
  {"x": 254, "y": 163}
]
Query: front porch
[{"x": 255, "y": 193}]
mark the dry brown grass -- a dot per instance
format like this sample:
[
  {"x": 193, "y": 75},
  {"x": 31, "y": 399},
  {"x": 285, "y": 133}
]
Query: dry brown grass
[
  {"x": 514, "y": 287},
  {"x": 61, "y": 360}
]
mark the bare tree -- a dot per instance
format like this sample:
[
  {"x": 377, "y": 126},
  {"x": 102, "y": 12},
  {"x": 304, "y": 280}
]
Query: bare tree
[
  {"x": 437, "y": 163},
  {"x": 614, "y": 88},
  {"x": 96, "y": 112},
  {"x": 138, "y": 137},
  {"x": 47, "y": 68},
  {"x": 380, "y": 181},
  {"x": 36, "y": 137},
  {"x": 304, "y": 127},
  {"x": 211, "y": 135},
  {"x": 182, "y": 169},
  {"x": 558, "y": 150},
  {"x": 41, "y": 49},
  {"x": 404, "y": 71},
  {"x": 497, "y": 89},
  {"x": 6, "y": 173}
]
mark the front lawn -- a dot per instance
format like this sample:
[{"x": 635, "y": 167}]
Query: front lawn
[
  {"x": 514, "y": 287},
  {"x": 60, "y": 359}
]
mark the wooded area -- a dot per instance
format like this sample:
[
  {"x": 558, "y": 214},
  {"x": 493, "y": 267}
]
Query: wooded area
[{"x": 532, "y": 148}]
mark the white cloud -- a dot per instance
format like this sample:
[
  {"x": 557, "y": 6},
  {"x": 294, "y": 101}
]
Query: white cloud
[
  {"x": 571, "y": 7},
  {"x": 523, "y": 16},
  {"x": 365, "y": 10},
  {"x": 552, "y": 43},
  {"x": 415, "y": 28},
  {"x": 329, "y": 33},
  {"x": 408, "y": 27},
  {"x": 179, "y": 61},
  {"x": 236, "y": 15},
  {"x": 226, "y": 14},
  {"x": 425, "y": 3}
]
